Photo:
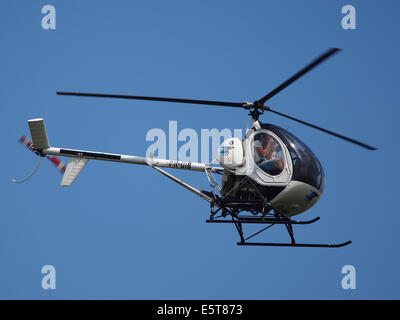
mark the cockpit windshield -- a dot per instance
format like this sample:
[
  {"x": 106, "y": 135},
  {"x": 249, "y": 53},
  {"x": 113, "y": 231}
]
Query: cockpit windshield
[
  {"x": 306, "y": 166},
  {"x": 268, "y": 154}
]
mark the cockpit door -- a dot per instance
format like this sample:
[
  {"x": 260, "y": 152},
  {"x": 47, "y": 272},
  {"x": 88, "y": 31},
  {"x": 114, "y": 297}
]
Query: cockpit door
[{"x": 267, "y": 159}]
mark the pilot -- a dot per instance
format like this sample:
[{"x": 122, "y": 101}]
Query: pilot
[{"x": 266, "y": 156}]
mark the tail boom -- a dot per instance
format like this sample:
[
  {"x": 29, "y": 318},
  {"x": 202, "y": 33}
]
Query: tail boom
[{"x": 175, "y": 164}]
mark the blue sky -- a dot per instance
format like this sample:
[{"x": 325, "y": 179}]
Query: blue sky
[{"x": 127, "y": 232}]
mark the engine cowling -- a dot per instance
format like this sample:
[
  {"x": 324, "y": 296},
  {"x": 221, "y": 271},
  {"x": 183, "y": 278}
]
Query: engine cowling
[{"x": 230, "y": 153}]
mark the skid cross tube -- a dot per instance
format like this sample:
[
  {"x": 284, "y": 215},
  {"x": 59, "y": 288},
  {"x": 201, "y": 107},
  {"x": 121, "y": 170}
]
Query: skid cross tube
[{"x": 258, "y": 232}]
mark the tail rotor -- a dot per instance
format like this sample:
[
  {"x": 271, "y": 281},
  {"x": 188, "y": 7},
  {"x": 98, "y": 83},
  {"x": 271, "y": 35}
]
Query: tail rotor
[
  {"x": 60, "y": 165},
  {"x": 56, "y": 161}
]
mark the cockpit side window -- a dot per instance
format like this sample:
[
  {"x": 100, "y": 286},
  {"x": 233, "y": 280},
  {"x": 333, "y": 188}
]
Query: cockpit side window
[{"x": 268, "y": 154}]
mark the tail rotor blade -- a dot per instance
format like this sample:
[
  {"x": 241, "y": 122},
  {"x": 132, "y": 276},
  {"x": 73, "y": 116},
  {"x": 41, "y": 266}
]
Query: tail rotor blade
[
  {"x": 58, "y": 163},
  {"x": 24, "y": 140}
]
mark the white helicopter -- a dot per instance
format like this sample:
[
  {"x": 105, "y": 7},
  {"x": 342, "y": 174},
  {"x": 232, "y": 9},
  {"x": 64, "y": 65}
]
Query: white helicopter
[{"x": 267, "y": 178}]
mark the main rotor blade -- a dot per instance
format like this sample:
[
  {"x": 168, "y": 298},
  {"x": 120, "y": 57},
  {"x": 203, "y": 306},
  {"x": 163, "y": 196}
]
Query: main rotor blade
[
  {"x": 119, "y": 96},
  {"x": 303, "y": 71},
  {"x": 322, "y": 129}
]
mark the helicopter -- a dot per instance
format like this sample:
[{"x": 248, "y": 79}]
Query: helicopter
[{"x": 267, "y": 178}]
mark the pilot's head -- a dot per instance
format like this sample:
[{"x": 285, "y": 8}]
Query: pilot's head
[{"x": 264, "y": 138}]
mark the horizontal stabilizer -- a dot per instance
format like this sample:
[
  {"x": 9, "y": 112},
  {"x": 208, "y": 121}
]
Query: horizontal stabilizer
[
  {"x": 74, "y": 167},
  {"x": 39, "y": 134}
]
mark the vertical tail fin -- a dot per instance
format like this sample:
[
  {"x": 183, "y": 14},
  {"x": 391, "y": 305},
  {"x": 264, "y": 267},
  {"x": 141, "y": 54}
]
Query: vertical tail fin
[{"x": 38, "y": 134}]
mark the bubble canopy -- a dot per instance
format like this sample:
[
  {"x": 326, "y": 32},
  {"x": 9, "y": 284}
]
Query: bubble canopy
[{"x": 306, "y": 166}]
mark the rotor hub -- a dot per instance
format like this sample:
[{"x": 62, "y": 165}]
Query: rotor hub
[{"x": 256, "y": 109}]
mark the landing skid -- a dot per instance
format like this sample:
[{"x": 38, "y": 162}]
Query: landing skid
[
  {"x": 307, "y": 245},
  {"x": 277, "y": 219}
]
